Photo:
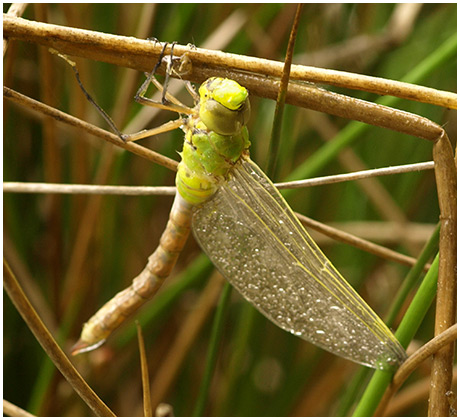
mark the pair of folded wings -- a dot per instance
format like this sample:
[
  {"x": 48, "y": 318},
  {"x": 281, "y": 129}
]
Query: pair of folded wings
[{"x": 255, "y": 240}]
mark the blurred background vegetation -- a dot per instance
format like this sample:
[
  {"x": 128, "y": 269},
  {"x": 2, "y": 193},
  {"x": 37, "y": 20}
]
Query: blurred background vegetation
[{"x": 73, "y": 253}]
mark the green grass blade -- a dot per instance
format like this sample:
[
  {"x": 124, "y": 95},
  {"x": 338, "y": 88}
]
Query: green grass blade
[
  {"x": 406, "y": 331},
  {"x": 408, "y": 284},
  {"x": 355, "y": 129},
  {"x": 413, "y": 275}
]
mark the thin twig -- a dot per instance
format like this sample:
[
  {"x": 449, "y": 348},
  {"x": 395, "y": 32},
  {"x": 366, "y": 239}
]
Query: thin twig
[
  {"x": 332, "y": 179},
  {"x": 360, "y": 243},
  {"x": 46, "y": 188},
  {"x": 53, "y": 188},
  {"x": 89, "y": 128}
]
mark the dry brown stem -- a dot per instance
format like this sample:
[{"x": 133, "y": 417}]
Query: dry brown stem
[
  {"x": 440, "y": 341},
  {"x": 142, "y": 55},
  {"x": 89, "y": 128},
  {"x": 446, "y": 181},
  {"x": 50, "y": 346},
  {"x": 257, "y": 75}
]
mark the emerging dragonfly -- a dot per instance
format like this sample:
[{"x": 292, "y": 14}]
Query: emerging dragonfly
[{"x": 253, "y": 237}]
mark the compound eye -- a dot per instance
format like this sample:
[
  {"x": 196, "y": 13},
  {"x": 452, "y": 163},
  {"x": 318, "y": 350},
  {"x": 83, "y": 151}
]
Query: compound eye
[
  {"x": 224, "y": 105},
  {"x": 222, "y": 120}
]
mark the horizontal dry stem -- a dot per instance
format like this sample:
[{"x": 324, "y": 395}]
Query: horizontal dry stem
[
  {"x": 142, "y": 55},
  {"x": 53, "y": 188},
  {"x": 50, "y": 188},
  {"x": 258, "y": 75},
  {"x": 360, "y": 243},
  {"x": 332, "y": 179},
  {"x": 104, "y": 189}
]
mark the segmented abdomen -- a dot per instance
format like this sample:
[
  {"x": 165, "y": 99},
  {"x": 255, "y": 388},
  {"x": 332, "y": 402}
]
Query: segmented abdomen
[{"x": 145, "y": 285}]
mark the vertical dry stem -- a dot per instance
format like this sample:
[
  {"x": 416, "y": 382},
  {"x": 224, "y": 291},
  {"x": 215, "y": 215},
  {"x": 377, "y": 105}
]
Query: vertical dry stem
[{"x": 441, "y": 373}]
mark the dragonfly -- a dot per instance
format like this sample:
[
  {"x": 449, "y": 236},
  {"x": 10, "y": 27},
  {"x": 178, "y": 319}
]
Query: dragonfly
[{"x": 252, "y": 236}]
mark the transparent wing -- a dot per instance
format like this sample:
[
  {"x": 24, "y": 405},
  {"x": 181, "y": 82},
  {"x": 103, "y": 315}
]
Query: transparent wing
[{"x": 254, "y": 239}]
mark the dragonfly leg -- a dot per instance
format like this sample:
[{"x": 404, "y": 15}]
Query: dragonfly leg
[
  {"x": 184, "y": 67},
  {"x": 168, "y": 126},
  {"x": 169, "y": 70},
  {"x": 168, "y": 101},
  {"x": 104, "y": 114}
]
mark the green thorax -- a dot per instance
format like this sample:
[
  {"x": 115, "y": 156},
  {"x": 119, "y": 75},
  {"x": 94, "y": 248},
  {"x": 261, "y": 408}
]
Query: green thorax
[{"x": 216, "y": 137}]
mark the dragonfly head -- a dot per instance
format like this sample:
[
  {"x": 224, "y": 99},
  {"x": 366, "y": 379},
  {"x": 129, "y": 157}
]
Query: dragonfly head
[{"x": 224, "y": 105}]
